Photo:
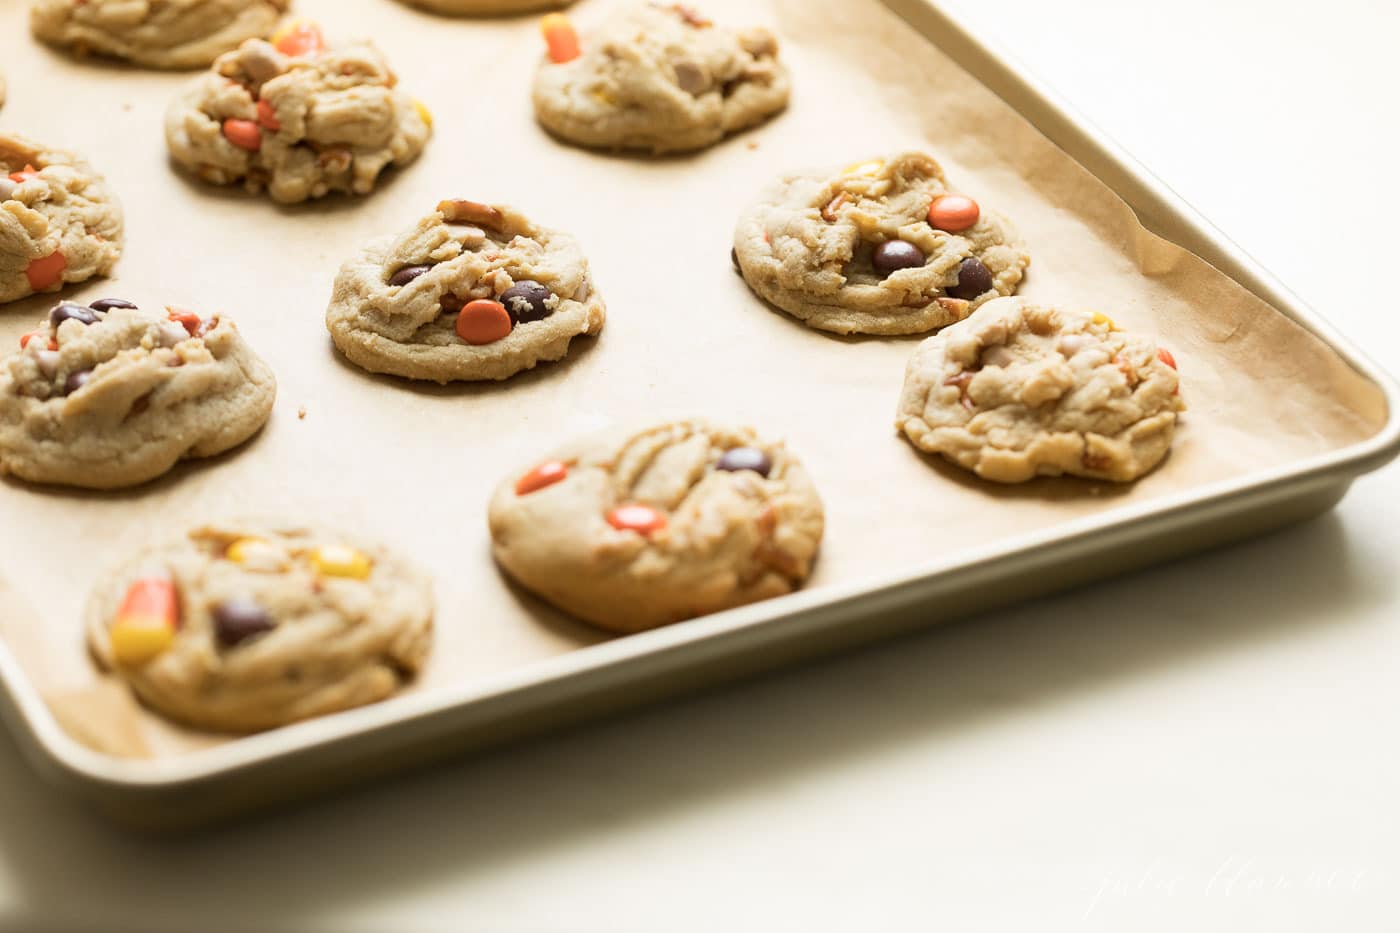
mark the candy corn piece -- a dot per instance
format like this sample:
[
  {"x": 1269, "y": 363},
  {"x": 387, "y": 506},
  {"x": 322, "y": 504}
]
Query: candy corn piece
[
  {"x": 299, "y": 37},
  {"x": 46, "y": 271},
  {"x": 146, "y": 622},
  {"x": 560, "y": 37}
]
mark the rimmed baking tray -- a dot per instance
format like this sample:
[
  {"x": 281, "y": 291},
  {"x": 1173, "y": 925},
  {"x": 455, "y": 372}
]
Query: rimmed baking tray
[{"x": 949, "y": 545}]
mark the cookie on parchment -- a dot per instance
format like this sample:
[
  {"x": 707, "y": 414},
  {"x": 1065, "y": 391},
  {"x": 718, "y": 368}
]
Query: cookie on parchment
[
  {"x": 658, "y": 77},
  {"x": 883, "y": 247},
  {"x": 246, "y": 626},
  {"x": 165, "y": 34},
  {"x": 472, "y": 292},
  {"x": 59, "y": 221},
  {"x": 107, "y": 395},
  {"x": 296, "y": 118},
  {"x": 1021, "y": 390},
  {"x": 631, "y": 530}
]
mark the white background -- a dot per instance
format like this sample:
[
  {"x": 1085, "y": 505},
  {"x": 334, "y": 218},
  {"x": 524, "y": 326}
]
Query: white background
[{"x": 1214, "y": 745}]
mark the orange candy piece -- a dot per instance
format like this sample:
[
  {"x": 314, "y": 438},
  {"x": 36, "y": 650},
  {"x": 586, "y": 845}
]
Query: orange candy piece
[
  {"x": 561, "y": 38},
  {"x": 46, "y": 271},
  {"x": 37, "y": 335},
  {"x": 244, "y": 134},
  {"x": 546, "y": 474},
  {"x": 186, "y": 319},
  {"x": 953, "y": 213},
  {"x": 146, "y": 622},
  {"x": 24, "y": 174},
  {"x": 299, "y": 38},
  {"x": 483, "y": 321},
  {"x": 1165, "y": 356},
  {"x": 267, "y": 117},
  {"x": 642, "y": 519}
]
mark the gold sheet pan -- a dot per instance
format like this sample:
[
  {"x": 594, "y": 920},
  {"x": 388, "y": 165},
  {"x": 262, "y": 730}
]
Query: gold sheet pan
[{"x": 1283, "y": 413}]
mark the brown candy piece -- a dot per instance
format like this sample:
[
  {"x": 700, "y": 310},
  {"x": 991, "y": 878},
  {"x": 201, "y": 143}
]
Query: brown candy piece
[
  {"x": 745, "y": 458},
  {"x": 237, "y": 620},
  {"x": 407, "y": 274},
  {"x": 893, "y": 255},
  {"x": 973, "y": 279}
]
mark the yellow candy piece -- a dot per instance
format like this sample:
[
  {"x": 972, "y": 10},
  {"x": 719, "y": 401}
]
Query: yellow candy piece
[
  {"x": 239, "y": 551},
  {"x": 258, "y": 555},
  {"x": 552, "y": 21},
  {"x": 871, "y": 169},
  {"x": 1105, "y": 320},
  {"x": 424, "y": 113},
  {"x": 139, "y": 639},
  {"x": 337, "y": 560}
]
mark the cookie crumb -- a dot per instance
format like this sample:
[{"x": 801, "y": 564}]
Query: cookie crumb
[
  {"x": 301, "y": 413},
  {"x": 752, "y": 144}
]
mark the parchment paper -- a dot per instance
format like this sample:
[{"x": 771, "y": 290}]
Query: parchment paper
[{"x": 414, "y": 464}]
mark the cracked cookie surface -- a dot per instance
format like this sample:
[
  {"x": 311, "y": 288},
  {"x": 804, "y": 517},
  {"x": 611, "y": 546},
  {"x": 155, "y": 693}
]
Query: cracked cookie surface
[
  {"x": 245, "y": 626},
  {"x": 59, "y": 220},
  {"x": 661, "y": 77},
  {"x": 154, "y": 33},
  {"x": 299, "y": 125},
  {"x": 1021, "y": 390},
  {"x": 106, "y": 396},
  {"x": 631, "y": 530},
  {"x": 883, "y": 247},
  {"x": 473, "y": 291},
  {"x": 487, "y": 7}
]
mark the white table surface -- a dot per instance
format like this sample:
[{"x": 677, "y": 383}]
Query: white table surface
[{"x": 1207, "y": 746}]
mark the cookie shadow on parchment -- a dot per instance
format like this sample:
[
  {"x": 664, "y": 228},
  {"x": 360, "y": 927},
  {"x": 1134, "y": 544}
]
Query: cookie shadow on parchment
[
  {"x": 437, "y": 18},
  {"x": 644, "y": 158},
  {"x": 1042, "y": 488},
  {"x": 579, "y": 348},
  {"x": 38, "y": 306},
  {"x": 545, "y": 616},
  {"x": 104, "y": 66},
  {"x": 331, "y": 204}
]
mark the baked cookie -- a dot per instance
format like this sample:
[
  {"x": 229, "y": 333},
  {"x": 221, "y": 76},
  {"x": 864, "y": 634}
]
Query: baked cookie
[
  {"x": 296, "y": 118},
  {"x": 250, "y": 626},
  {"x": 107, "y": 395},
  {"x": 2, "y": 90},
  {"x": 59, "y": 222},
  {"x": 486, "y": 7},
  {"x": 473, "y": 291},
  {"x": 165, "y": 34},
  {"x": 880, "y": 248},
  {"x": 1021, "y": 390},
  {"x": 657, "y": 76},
  {"x": 631, "y": 530}
]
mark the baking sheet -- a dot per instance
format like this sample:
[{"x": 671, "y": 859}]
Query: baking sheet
[{"x": 414, "y": 464}]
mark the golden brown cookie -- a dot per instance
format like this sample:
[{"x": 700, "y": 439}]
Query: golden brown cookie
[
  {"x": 632, "y": 529},
  {"x": 107, "y": 395},
  {"x": 1021, "y": 390},
  {"x": 473, "y": 291},
  {"x": 250, "y": 625},
  {"x": 881, "y": 247}
]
